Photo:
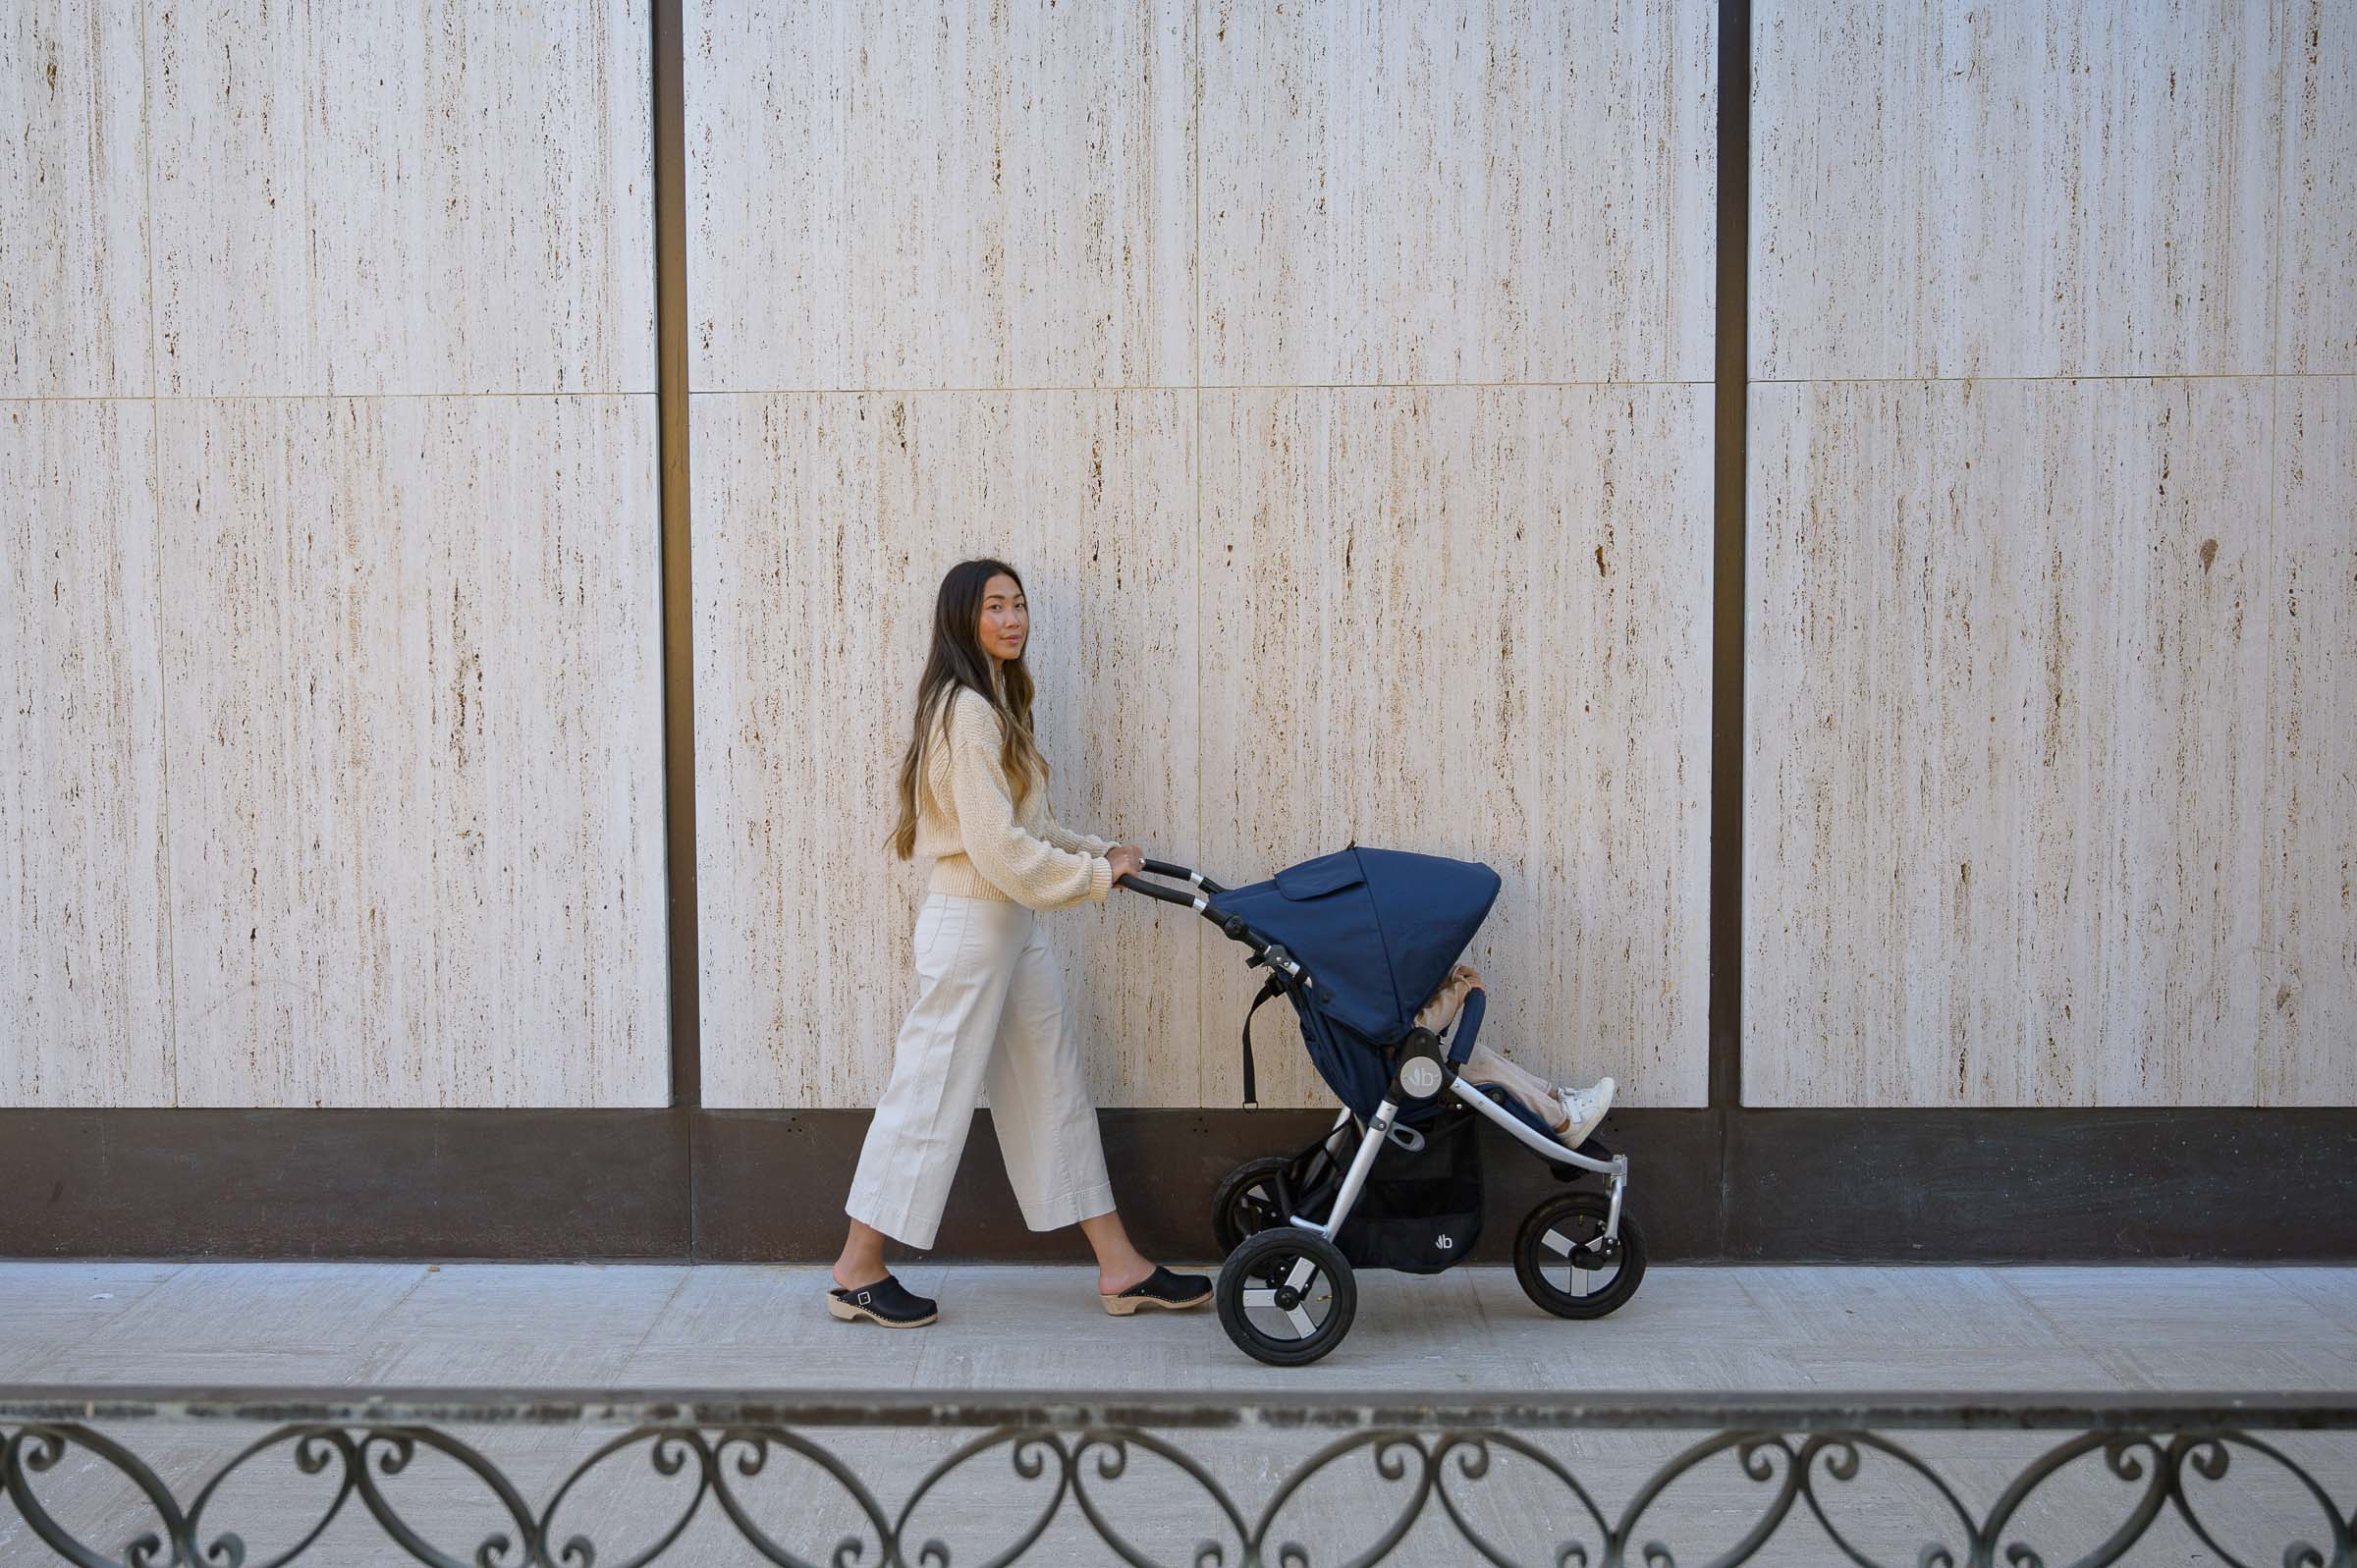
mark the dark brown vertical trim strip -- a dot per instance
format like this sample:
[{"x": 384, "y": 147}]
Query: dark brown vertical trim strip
[
  {"x": 1728, "y": 527},
  {"x": 678, "y": 666}
]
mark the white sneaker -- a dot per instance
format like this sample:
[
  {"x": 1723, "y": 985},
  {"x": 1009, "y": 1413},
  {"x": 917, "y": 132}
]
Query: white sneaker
[{"x": 1584, "y": 1107}]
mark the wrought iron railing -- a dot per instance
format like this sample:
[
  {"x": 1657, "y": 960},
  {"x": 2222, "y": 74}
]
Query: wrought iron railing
[{"x": 1068, "y": 1457}]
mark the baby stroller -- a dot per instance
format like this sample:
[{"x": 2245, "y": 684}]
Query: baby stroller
[{"x": 1355, "y": 941}]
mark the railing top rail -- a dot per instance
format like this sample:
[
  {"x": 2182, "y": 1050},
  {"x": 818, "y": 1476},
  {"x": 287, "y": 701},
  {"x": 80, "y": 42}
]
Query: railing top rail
[{"x": 1812, "y": 1411}]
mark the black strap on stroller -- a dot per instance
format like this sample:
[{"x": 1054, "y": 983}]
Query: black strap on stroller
[
  {"x": 1273, "y": 986},
  {"x": 1262, "y": 952}
]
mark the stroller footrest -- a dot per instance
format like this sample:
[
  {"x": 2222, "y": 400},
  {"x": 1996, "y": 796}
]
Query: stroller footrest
[{"x": 1515, "y": 1109}]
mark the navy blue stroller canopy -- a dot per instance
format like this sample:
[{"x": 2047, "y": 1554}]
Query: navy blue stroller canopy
[{"x": 1376, "y": 929}]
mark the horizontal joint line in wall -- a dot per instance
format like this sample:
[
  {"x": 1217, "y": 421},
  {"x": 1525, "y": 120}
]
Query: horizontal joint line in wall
[
  {"x": 1189, "y": 386},
  {"x": 305, "y": 397},
  {"x": 1922, "y": 381}
]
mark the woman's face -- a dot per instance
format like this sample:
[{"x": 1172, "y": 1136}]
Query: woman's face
[{"x": 1006, "y": 620}]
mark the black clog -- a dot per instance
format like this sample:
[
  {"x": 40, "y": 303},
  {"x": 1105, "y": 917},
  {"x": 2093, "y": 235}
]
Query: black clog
[
  {"x": 1161, "y": 1288},
  {"x": 887, "y": 1302}
]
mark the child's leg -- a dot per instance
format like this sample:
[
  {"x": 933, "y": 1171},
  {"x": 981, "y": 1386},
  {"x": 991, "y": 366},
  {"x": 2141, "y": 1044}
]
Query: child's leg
[{"x": 1485, "y": 1065}]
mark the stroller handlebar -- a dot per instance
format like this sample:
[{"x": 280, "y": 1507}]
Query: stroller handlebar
[
  {"x": 1166, "y": 868},
  {"x": 1194, "y": 899},
  {"x": 1199, "y": 884}
]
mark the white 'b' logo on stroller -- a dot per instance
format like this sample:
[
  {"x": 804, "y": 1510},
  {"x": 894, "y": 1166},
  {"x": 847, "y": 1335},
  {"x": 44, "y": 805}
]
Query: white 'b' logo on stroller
[{"x": 1421, "y": 1077}]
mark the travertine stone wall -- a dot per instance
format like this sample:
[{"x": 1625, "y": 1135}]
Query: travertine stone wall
[
  {"x": 2050, "y": 800},
  {"x": 2308, "y": 847},
  {"x": 2044, "y": 187},
  {"x": 329, "y": 633},
  {"x": 413, "y": 765},
  {"x": 86, "y": 1018},
  {"x": 1338, "y": 377},
  {"x": 816, "y": 517},
  {"x": 1474, "y": 621}
]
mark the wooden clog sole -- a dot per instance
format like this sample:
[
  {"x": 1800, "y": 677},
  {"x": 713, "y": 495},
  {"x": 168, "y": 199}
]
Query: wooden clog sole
[{"x": 1126, "y": 1305}]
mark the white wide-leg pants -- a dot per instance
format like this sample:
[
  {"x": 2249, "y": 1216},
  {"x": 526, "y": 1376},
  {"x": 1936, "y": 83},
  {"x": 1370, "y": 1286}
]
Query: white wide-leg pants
[{"x": 990, "y": 1013}]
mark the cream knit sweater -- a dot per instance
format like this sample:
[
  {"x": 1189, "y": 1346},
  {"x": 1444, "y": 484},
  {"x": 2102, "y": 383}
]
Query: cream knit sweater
[{"x": 966, "y": 815}]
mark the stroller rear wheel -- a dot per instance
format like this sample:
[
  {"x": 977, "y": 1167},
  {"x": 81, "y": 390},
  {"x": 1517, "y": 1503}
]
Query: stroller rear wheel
[
  {"x": 1287, "y": 1296},
  {"x": 1246, "y": 1203},
  {"x": 1564, "y": 1263}
]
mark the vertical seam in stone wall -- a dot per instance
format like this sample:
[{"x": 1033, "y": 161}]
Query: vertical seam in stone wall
[
  {"x": 2263, "y": 573},
  {"x": 155, "y": 482},
  {"x": 1194, "y": 125},
  {"x": 2269, "y": 554},
  {"x": 1731, "y": 400},
  {"x": 678, "y": 666}
]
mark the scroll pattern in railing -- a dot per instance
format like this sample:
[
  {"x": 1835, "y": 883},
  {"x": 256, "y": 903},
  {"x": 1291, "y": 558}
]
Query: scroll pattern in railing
[{"x": 1071, "y": 1459}]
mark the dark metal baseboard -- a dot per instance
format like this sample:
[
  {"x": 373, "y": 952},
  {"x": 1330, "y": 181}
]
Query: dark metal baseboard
[
  {"x": 201, "y": 1184},
  {"x": 1735, "y": 1185}
]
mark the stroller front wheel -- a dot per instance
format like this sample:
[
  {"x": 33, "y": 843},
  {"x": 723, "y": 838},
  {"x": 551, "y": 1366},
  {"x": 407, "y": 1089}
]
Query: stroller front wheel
[
  {"x": 1287, "y": 1296},
  {"x": 1564, "y": 1264}
]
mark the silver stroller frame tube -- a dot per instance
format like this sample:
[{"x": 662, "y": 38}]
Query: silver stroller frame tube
[
  {"x": 1361, "y": 1161},
  {"x": 1613, "y": 1170}
]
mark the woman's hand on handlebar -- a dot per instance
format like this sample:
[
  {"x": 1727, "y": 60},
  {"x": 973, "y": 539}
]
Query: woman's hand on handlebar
[{"x": 1127, "y": 860}]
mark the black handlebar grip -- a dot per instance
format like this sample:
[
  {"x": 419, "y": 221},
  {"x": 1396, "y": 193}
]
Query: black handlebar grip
[
  {"x": 1167, "y": 868},
  {"x": 1155, "y": 889}
]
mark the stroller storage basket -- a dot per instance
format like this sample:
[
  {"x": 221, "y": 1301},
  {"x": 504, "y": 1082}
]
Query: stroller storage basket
[{"x": 1420, "y": 1209}]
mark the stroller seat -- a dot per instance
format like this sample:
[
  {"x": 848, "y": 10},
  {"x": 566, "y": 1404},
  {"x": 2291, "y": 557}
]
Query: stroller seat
[{"x": 1461, "y": 1047}]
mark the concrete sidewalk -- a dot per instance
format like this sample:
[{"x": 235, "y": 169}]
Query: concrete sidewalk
[
  {"x": 1723, "y": 1328},
  {"x": 1010, "y": 1328}
]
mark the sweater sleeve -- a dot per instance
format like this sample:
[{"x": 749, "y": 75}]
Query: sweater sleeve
[
  {"x": 1079, "y": 844},
  {"x": 1026, "y": 869}
]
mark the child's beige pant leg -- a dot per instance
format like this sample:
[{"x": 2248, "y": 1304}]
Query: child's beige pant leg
[
  {"x": 1485, "y": 1065},
  {"x": 1039, "y": 1098}
]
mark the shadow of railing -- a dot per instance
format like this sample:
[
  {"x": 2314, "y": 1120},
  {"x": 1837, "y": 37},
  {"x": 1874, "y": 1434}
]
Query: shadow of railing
[{"x": 1070, "y": 1458}]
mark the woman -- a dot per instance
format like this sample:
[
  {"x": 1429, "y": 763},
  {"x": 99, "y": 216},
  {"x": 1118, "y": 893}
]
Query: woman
[{"x": 990, "y": 1007}]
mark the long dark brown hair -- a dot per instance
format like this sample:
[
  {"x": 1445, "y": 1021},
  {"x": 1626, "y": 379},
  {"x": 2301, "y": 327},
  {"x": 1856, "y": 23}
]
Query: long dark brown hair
[{"x": 957, "y": 660}]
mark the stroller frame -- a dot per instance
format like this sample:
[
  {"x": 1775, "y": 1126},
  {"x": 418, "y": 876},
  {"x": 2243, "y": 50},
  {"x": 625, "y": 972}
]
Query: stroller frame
[{"x": 1383, "y": 1123}]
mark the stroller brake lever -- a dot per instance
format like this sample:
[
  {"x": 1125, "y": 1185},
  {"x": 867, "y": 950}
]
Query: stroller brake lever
[
  {"x": 1275, "y": 957},
  {"x": 1278, "y": 958}
]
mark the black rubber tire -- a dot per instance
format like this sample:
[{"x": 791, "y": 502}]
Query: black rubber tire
[
  {"x": 1238, "y": 1211},
  {"x": 1258, "y": 1263},
  {"x": 1578, "y": 1217}
]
